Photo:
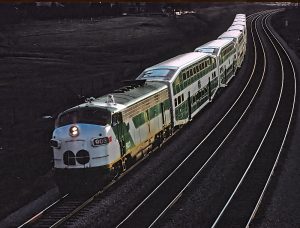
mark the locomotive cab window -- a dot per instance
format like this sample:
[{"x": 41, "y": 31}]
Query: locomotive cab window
[{"x": 85, "y": 115}]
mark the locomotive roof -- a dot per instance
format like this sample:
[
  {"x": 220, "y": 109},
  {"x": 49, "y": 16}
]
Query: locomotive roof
[
  {"x": 169, "y": 68},
  {"x": 230, "y": 34},
  {"x": 125, "y": 96}
]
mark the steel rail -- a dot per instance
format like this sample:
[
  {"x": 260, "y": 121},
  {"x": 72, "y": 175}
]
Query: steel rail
[
  {"x": 220, "y": 145},
  {"x": 285, "y": 136},
  {"x": 65, "y": 218},
  {"x": 194, "y": 150},
  {"x": 260, "y": 145},
  {"x": 38, "y": 215},
  {"x": 89, "y": 200}
]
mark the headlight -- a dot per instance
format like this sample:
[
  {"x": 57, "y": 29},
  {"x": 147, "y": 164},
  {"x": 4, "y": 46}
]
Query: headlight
[{"x": 74, "y": 131}]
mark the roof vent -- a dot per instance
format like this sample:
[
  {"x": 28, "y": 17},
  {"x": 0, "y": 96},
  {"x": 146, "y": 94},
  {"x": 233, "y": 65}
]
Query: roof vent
[
  {"x": 90, "y": 99},
  {"x": 110, "y": 99}
]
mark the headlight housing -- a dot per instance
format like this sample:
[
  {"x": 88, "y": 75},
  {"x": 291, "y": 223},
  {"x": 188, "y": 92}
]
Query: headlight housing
[{"x": 74, "y": 131}]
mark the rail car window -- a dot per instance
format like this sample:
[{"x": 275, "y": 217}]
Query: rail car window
[
  {"x": 165, "y": 73},
  {"x": 85, "y": 115},
  {"x": 179, "y": 99}
]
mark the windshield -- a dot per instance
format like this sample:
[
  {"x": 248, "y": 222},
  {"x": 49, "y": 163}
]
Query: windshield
[
  {"x": 96, "y": 116},
  {"x": 164, "y": 73}
]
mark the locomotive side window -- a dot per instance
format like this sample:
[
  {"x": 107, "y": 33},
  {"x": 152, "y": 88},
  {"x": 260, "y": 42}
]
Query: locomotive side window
[{"x": 85, "y": 115}]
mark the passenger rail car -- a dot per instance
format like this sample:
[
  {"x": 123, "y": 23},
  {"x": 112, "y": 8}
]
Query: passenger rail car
[
  {"x": 240, "y": 44},
  {"x": 240, "y": 28},
  {"x": 96, "y": 141},
  {"x": 225, "y": 53},
  {"x": 192, "y": 81},
  {"x": 243, "y": 30}
]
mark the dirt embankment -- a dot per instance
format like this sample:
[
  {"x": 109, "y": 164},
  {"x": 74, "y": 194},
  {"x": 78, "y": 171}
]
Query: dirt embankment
[
  {"x": 287, "y": 24},
  {"x": 48, "y": 66}
]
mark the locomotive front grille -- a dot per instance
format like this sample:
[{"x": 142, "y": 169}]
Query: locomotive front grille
[
  {"x": 69, "y": 158},
  {"x": 82, "y": 157}
]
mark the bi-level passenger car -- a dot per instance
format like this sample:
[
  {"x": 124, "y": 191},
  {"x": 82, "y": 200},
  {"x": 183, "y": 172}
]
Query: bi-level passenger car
[
  {"x": 192, "y": 81},
  {"x": 225, "y": 53}
]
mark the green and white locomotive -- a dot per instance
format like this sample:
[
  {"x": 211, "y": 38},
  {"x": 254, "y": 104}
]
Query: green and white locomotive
[{"x": 96, "y": 141}]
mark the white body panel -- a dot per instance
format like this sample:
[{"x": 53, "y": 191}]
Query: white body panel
[
  {"x": 179, "y": 63},
  {"x": 99, "y": 155},
  {"x": 222, "y": 67},
  {"x": 238, "y": 39}
]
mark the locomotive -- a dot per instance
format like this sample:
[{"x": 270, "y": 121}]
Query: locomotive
[{"x": 96, "y": 141}]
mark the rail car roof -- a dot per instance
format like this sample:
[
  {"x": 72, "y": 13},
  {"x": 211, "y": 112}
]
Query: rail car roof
[
  {"x": 236, "y": 27},
  {"x": 243, "y": 23},
  {"x": 230, "y": 34},
  {"x": 170, "y": 67},
  {"x": 239, "y": 19},
  {"x": 214, "y": 45},
  {"x": 180, "y": 60},
  {"x": 240, "y": 16},
  {"x": 125, "y": 96}
]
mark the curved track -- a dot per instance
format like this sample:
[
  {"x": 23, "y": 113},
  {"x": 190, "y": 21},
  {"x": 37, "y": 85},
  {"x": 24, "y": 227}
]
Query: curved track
[
  {"x": 151, "y": 209},
  {"x": 248, "y": 193},
  {"x": 159, "y": 202},
  {"x": 67, "y": 206}
]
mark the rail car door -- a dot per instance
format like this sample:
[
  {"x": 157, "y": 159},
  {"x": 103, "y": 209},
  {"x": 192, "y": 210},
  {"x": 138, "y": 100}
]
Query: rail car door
[
  {"x": 162, "y": 113},
  {"x": 189, "y": 105},
  {"x": 209, "y": 89}
]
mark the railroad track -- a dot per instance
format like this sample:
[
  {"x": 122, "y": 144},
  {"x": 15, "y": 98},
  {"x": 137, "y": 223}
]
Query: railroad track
[
  {"x": 246, "y": 198},
  {"x": 151, "y": 210},
  {"x": 67, "y": 206},
  {"x": 64, "y": 208},
  {"x": 201, "y": 156}
]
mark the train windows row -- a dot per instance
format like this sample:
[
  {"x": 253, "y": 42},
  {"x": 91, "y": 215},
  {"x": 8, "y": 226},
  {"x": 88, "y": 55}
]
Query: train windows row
[
  {"x": 179, "y": 100},
  {"x": 193, "y": 73},
  {"x": 226, "y": 52}
]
